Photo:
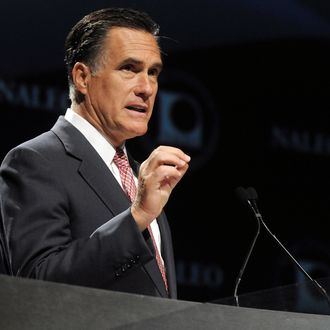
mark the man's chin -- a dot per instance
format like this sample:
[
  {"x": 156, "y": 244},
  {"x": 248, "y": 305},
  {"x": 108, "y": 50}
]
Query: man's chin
[
  {"x": 139, "y": 131},
  {"x": 136, "y": 134}
]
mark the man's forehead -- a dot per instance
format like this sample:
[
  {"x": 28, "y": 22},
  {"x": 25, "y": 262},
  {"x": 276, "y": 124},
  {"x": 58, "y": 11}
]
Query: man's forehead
[
  {"x": 133, "y": 43},
  {"x": 133, "y": 38}
]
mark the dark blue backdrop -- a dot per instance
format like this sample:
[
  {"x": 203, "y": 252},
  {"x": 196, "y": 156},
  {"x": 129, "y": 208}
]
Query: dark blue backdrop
[{"x": 245, "y": 91}]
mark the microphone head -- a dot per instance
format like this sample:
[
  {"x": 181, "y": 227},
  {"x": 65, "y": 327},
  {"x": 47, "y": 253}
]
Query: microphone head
[
  {"x": 252, "y": 194},
  {"x": 242, "y": 194}
]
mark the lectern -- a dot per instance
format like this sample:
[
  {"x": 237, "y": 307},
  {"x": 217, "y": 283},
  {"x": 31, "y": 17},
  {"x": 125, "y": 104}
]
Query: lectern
[{"x": 40, "y": 305}]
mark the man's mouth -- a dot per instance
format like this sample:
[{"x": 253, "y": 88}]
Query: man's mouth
[{"x": 136, "y": 108}]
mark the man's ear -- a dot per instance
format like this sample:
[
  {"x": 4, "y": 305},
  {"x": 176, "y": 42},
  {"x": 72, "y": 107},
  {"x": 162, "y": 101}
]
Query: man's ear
[{"x": 80, "y": 76}]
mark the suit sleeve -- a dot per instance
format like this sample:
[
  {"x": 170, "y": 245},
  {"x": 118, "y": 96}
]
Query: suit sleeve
[{"x": 36, "y": 213}]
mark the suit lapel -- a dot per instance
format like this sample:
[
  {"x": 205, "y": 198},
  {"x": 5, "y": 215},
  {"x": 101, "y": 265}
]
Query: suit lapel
[
  {"x": 167, "y": 253},
  {"x": 152, "y": 267},
  {"x": 92, "y": 168}
]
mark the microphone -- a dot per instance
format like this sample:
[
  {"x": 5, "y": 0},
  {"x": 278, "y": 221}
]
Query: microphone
[
  {"x": 246, "y": 198},
  {"x": 251, "y": 201}
]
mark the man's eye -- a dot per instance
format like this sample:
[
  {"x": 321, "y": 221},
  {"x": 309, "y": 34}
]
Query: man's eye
[
  {"x": 127, "y": 67},
  {"x": 154, "y": 72}
]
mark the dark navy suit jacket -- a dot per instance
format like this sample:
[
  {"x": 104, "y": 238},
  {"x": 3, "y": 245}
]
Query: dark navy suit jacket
[{"x": 67, "y": 219}]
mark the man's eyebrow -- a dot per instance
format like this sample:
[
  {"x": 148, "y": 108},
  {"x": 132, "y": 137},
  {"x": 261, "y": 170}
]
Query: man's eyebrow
[
  {"x": 132, "y": 60},
  {"x": 159, "y": 66}
]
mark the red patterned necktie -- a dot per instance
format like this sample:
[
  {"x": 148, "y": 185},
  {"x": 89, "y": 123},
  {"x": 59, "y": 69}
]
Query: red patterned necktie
[{"x": 127, "y": 179}]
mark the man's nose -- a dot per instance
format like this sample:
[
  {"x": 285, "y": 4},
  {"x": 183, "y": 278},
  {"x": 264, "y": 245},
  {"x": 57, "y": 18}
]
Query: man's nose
[{"x": 144, "y": 85}]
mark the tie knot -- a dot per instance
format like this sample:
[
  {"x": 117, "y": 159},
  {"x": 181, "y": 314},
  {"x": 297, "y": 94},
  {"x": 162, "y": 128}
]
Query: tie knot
[{"x": 120, "y": 158}]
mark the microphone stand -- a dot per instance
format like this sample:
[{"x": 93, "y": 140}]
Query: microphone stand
[
  {"x": 315, "y": 283},
  {"x": 242, "y": 196},
  {"x": 258, "y": 216}
]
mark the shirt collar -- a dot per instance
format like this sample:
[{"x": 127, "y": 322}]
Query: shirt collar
[{"x": 93, "y": 136}]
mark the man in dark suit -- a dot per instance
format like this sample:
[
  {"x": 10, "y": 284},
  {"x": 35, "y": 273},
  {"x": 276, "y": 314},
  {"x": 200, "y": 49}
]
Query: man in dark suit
[{"x": 66, "y": 216}]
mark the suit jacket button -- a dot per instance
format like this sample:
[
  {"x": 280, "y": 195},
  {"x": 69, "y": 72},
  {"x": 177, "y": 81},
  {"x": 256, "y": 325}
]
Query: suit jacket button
[{"x": 132, "y": 261}]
